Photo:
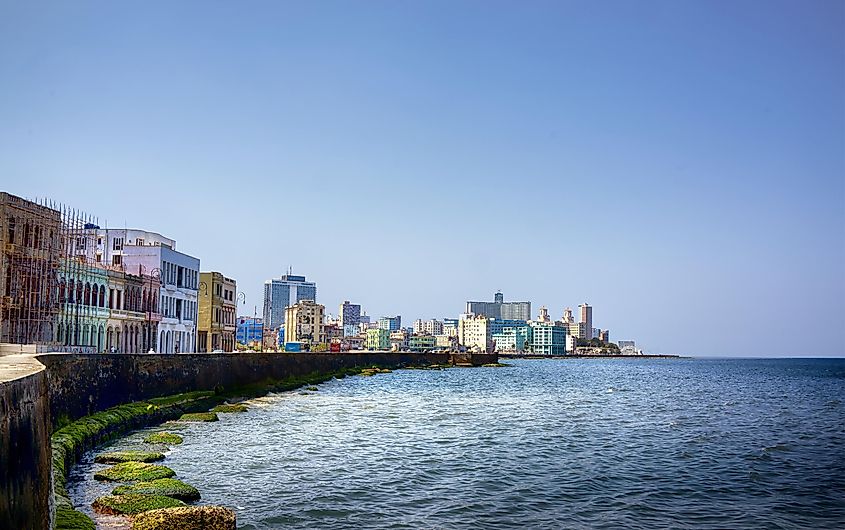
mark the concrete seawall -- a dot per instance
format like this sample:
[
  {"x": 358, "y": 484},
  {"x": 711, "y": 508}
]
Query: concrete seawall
[
  {"x": 80, "y": 385},
  {"x": 26, "y": 485},
  {"x": 38, "y": 392}
]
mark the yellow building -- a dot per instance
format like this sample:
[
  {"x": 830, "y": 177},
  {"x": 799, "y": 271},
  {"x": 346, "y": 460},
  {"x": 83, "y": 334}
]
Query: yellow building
[
  {"x": 475, "y": 334},
  {"x": 216, "y": 324},
  {"x": 304, "y": 322}
]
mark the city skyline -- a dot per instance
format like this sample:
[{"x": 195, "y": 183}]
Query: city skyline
[{"x": 679, "y": 164}]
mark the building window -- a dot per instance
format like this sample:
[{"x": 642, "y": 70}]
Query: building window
[
  {"x": 116, "y": 259},
  {"x": 117, "y": 243}
]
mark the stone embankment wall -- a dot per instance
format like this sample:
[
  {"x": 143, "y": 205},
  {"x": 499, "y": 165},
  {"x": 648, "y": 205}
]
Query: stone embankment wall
[
  {"x": 80, "y": 384},
  {"x": 25, "y": 479},
  {"x": 33, "y": 399}
]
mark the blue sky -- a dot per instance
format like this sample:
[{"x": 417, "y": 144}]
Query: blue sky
[{"x": 678, "y": 165}]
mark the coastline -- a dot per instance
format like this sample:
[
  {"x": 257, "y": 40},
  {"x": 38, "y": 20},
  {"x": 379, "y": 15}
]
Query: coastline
[
  {"x": 71, "y": 441},
  {"x": 563, "y": 357}
]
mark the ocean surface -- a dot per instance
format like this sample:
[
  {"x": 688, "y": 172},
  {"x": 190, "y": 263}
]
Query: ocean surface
[{"x": 571, "y": 443}]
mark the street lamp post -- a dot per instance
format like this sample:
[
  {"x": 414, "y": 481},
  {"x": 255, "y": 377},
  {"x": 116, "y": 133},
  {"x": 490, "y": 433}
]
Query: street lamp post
[
  {"x": 151, "y": 302},
  {"x": 242, "y": 299}
]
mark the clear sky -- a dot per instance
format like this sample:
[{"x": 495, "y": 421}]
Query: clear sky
[{"x": 678, "y": 165}]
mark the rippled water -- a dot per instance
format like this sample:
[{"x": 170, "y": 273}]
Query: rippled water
[{"x": 581, "y": 443}]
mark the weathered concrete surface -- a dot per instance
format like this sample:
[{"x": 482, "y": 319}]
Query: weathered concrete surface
[{"x": 25, "y": 478}]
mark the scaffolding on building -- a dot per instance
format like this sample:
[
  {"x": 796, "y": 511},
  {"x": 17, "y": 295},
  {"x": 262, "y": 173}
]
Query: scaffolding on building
[{"x": 39, "y": 250}]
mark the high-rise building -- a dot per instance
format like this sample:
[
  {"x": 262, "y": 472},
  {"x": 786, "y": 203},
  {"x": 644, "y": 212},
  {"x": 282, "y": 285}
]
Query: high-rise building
[
  {"x": 475, "y": 333},
  {"x": 498, "y": 308},
  {"x": 304, "y": 322},
  {"x": 428, "y": 327},
  {"x": 282, "y": 292},
  {"x": 585, "y": 312},
  {"x": 390, "y": 323},
  {"x": 567, "y": 316},
  {"x": 349, "y": 314},
  {"x": 216, "y": 317}
]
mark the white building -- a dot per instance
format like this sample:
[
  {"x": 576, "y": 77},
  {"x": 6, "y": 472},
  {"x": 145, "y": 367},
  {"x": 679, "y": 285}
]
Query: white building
[
  {"x": 428, "y": 327},
  {"x": 144, "y": 252}
]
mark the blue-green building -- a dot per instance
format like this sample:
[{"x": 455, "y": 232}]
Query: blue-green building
[
  {"x": 548, "y": 338},
  {"x": 513, "y": 339}
]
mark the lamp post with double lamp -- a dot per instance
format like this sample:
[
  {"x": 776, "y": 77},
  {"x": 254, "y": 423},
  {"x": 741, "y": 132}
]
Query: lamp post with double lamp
[
  {"x": 242, "y": 300},
  {"x": 152, "y": 299}
]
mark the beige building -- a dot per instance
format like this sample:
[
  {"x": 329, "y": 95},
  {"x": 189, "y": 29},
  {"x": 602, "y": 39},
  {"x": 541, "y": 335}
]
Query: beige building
[
  {"x": 577, "y": 329},
  {"x": 475, "y": 333},
  {"x": 216, "y": 324},
  {"x": 586, "y": 313},
  {"x": 304, "y": 322}
]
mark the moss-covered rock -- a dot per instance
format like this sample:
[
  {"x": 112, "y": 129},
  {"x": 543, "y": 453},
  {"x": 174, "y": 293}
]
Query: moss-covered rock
[
  {"x": 199, "y": 416},
  {"x": 312, "y": 389},
  {"x": 133, "y": 504},
  {"x": 229, "y": 408},
  {"x": 170, "y": 487},
  {"x": 134, "y": 472},
  {"x": 69, "y": 519},
  {"x": 367, "y": 372},
  {"x": 128, "y": 456},
  {"x": 69, "y": 442},
  {"x": 167, "y": 438},
  {"x": 187, "y": 518}
]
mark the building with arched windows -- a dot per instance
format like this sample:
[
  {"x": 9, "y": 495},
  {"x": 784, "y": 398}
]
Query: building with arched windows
[{"x": 83, "y": 309}]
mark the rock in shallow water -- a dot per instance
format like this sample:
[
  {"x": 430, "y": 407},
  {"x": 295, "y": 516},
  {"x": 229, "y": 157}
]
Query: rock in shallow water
[
  {"x": 133, "y": 503},
  {"x": 128, "y": 456},
  {"x": 163, "y": 438},
  {"x": 199, "y": 416},
  {"x": 134, "y": 471},
  {"x": 170, "y": 487},
  {"x": 229, "y": 408},
  {"x": 186, "y": 518}
]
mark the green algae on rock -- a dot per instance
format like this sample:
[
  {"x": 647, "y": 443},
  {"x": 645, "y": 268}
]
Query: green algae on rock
[
  {"x": 170, "y": 487},
  {"x": 128, "y": 456},
  {"x": 134, "y": 472},
  {"x": 312, "y": 389},
  {"x": 133, "y": 504},
  {"x": 186, "y": 518},
  {"x": 167, "y": 438},
  {"x": 69, "y": 519},
  {"x": 199, "y": 416},
  {"x": 229, "y": 408}
]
